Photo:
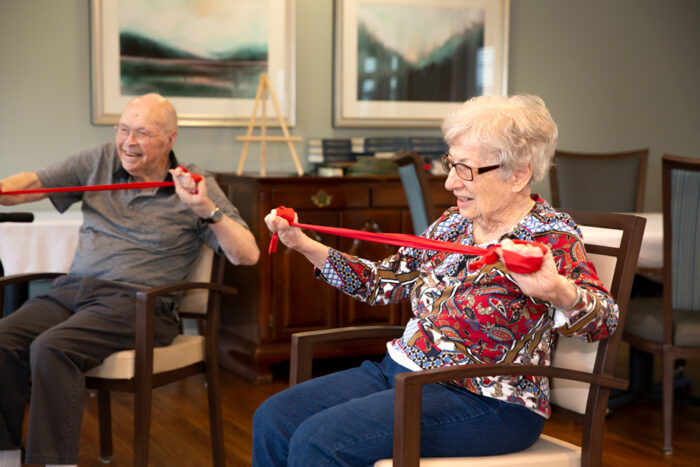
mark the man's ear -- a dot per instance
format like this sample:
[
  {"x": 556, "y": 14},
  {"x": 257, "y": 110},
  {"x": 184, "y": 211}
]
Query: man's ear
[{"x": 171, "y": 138}]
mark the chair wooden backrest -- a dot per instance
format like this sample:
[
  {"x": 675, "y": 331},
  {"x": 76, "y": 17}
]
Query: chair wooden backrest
[
  {"x": 584, "y": 356},
  {"x": 202, "y": 269},
  {"x": 681, "y": 198},
  {"x": 612, "y": 182},
  {"x": 417, "y": 189}
]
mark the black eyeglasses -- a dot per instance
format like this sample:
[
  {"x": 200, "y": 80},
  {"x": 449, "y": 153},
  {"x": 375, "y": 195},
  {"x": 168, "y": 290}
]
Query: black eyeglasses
[{"x": 463, "y": 170}]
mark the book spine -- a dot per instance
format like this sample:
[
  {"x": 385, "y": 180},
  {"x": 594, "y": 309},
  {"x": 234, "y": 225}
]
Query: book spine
[
  {"x": 386, "y": 144},
  {"x": 321, "y": 150}
]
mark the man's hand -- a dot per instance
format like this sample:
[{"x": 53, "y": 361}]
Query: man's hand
[
  {"x": 193, "y": 194},
  {"x": 21, "y": 181}
]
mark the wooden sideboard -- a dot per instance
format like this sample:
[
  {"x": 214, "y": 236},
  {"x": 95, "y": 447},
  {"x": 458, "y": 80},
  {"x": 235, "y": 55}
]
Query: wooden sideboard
[{"x": 280, "y": 295}]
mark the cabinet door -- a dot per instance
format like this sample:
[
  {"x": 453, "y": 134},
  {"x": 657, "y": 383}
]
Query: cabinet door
[
  {"x": 352, "y": 312},
  {"x": 300, "y": 301}
]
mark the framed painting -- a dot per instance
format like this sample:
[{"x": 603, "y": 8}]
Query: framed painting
[
  {"x": 404, "y": 63},
  {"x": 206, "y": 57}
]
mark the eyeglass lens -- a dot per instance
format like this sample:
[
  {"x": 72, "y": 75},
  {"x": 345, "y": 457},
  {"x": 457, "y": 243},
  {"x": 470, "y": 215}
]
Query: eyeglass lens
[{"x": 463, "y": 171}]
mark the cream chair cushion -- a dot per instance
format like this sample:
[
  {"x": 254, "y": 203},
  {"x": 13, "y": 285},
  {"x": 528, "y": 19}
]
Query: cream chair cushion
[
  {"x": 183, "y": 351},
  {"x": 546, "y": 451}
]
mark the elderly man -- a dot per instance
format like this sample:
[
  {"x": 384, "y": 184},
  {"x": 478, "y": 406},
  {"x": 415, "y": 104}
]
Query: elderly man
[{"x": 129, "y": 240}]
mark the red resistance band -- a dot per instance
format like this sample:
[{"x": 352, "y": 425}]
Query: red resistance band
[
  {"x": 115, "y": 186},
  {"x": 513, "y": 261}
]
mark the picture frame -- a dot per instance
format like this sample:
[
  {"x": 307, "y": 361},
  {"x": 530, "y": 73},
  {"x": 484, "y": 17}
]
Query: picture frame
[
  {"x": 407, "y": 63},
  {"x": 213, "y": 91}
]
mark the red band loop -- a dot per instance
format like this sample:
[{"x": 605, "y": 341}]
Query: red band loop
[{"x": 513, "y": 261}]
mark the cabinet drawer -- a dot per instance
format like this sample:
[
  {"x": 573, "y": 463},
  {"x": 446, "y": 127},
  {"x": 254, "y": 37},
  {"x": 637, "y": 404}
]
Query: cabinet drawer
[
  {"x": 389, "y": 196},
  {"x": 393, "y": 196},
  {"x": 320, "y": 197}
]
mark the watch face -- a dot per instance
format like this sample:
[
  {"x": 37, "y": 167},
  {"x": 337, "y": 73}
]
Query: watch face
[{"x": 216, "y": 215}]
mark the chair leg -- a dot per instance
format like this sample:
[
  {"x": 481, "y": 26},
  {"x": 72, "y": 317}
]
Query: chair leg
[
  {"x": 215, "y": 421},
  {"x": 105, "y": 419},
  {"x": 667, "y": 398},
  {"x": 143, "y": 395}
]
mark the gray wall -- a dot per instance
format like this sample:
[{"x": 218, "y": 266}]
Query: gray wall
[{"x": 616, "y": 74}]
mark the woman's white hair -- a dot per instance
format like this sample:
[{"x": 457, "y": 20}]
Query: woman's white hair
[{"x": 519, "y": 129}]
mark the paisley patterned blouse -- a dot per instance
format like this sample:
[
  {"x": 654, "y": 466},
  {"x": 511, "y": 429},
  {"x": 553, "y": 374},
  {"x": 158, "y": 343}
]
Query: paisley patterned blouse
[{"x": 462, "y": 317}]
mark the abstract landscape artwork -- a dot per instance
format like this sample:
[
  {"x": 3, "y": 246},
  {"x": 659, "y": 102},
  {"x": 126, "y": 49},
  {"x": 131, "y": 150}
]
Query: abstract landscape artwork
[
  {"x": 408, "y": 62},
  {"x": 205, "y": 56},
  {"x": 192, "y": 48},
  {"x": 424, "y": 53}
]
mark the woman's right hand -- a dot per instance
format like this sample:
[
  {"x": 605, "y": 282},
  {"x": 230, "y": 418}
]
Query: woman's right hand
[
  {"x": 291, "y": 237},
  {"x": 294, "y": 238}
]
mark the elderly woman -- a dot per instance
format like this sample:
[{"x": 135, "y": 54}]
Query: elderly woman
[{"x": 498, "y": 147}]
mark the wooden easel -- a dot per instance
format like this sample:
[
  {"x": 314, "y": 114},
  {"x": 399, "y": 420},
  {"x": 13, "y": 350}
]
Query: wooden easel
[{"x": 263, "y": 89}]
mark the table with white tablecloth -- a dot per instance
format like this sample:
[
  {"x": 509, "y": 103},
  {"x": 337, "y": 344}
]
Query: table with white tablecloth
[
  {"x": 651, "y": 255},
  {"x": 45, "y": 245}
]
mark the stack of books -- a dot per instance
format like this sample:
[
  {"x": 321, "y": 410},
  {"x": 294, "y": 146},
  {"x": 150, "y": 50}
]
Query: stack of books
[
  {"x": 322, "y": 151},
  {"x": 370, "y": 165},
  {"x": 347, "y": 152},
  {"x": 428, "y": 146}
]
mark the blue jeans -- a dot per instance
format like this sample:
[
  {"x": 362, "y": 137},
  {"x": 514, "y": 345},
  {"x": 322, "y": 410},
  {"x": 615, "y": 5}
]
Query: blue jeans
[{"x": 346, "y": 418}]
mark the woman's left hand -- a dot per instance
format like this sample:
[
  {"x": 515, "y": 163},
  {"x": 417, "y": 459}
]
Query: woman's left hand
[{"x": 546, "y": 283}]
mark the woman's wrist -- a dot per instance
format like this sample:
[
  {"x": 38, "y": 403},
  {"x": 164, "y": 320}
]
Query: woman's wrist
[{"x": 569, "y": 297}]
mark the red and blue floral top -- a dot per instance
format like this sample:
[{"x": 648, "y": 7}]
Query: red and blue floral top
[{"x": 462, "y": 317}]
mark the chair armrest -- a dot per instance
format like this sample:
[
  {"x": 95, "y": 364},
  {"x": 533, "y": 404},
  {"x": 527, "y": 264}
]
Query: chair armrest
[
  {"x": 145, "y": 307},
  {"x": 303, "y": 343},
  {"x": 17, "y": 279},
  {"x": 146, "y": 299},
  {"x": 161, "y": 290},
  {"x": 407, "y": 396},
  {"x": 444, "y": 374},
  {"x": 29, "y": 277}
]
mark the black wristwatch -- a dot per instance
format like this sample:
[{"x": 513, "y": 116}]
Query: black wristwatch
[{"x": 214, "y": 216}]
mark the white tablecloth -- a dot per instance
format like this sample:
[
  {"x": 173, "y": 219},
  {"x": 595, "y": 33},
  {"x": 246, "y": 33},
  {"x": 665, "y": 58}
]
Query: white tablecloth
[
  {"x": 651, "y": 255},
  {"x": 46, "y": 245}
]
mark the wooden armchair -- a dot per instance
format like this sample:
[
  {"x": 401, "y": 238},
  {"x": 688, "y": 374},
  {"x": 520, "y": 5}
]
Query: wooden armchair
[
  {"x": 669, "y": 326},
  {"x": 140, "y": 370},
  {"x": 582, "y": 373}
]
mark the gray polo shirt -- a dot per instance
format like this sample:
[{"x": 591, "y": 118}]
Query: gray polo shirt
[{"x": 141, "y": 237}]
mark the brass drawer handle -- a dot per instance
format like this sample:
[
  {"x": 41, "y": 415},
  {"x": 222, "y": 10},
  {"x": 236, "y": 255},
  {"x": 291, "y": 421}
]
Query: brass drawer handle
[{"x": 322, "y": 199}]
